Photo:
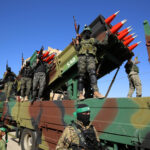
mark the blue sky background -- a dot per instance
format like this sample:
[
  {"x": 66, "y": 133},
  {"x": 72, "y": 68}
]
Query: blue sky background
[{"x": 25, "y": 25}]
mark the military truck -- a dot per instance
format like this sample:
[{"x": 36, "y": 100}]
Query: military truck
[{"x": 122, "y": 123}]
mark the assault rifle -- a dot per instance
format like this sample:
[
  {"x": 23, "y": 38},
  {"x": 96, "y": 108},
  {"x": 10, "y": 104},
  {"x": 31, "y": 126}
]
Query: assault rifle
[
  {"x": 77, "y": 27},
  {"x": 22, "y": 59}
]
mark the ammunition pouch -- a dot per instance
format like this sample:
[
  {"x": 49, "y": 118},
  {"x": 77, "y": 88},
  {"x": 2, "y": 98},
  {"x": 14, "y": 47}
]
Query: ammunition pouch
[{"x": 87, "y": 138}]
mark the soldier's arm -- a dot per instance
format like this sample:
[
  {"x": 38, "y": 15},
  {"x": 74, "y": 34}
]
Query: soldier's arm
[
  {"x": 64, "y": 140},
  {"x": 97, "y": 137}
]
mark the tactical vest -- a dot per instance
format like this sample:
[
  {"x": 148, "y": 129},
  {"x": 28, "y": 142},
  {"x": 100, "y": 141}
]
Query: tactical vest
[
  {"x": 88, "y": 47},
  {"x": 40, "y": 67},
  {"x": 87, "y": 138},
  {"x": 27, "y": 72},
  {"x": 131, "y": 67},
  {"x": 9, "y": 77}
]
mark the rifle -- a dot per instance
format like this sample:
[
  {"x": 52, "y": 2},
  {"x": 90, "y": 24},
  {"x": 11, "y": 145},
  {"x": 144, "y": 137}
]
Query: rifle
[
  {"x": 40, "y": 53},
  {"x": 7, "y": 65},
  {"x": 77, "y": 27},
  {"x": 22, "y": 59}
]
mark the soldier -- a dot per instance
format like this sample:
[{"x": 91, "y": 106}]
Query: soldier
[
  {"x": 133, "y": 75},
  {"x": 81, "y": 134},
  {"x": 87, "y": 49},
  {"x": 9, "y": 78},
  {"x": 39, "y": 78},
  {"x": 2, "y": 142},
  {"x": 26, "y": 81}
]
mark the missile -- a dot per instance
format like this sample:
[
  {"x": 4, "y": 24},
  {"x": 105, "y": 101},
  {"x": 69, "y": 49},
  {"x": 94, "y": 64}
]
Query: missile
[
  {"x": 110, "y": 18},
  {"x": 121, "y": 36},
  {"x": 45, "y": 54},
  {"x": 49, "y": 57},
  {"x": 133, "y": 46},
  {"x": 129, "y": 36},
  {"x": 116, "y": 27},
  {"x": 127, "y": 42},
  {"x": 124, "y": 30}
]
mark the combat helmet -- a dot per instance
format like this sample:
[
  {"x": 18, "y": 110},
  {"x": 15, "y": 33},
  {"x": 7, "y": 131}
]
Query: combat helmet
[{"x": 87, "y": 28}]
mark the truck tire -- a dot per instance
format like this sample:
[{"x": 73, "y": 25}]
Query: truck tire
[{"x": 28, "y": 140}]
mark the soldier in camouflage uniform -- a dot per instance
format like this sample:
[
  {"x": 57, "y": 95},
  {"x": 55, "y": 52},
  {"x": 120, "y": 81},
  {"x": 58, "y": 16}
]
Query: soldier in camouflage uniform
[
  {"x": 26, "y": 81},
  {"x": 133, "y": 75},
  {"x": 81, "y": 134},
  {"x": 87, "y": 49},
  {"x": 8, "y": 79},
  {"x": 39, "y": 78}
]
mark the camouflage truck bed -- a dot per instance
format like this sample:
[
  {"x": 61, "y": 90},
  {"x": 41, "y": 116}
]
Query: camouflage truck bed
[{"x": 119, "y": 121}]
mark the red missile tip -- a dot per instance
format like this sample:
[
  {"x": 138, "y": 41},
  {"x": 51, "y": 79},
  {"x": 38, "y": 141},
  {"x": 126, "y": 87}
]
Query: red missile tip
[
  {"x": 128, "y": 37},
  {"x": 110, "y": 18},
  {"x": 116, "y": 27},
  {"x": 133, "y": 46},
  {"x": 128, "y": 41}
]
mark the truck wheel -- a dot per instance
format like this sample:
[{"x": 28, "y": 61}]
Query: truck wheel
[{"x": 28, "y": 140}]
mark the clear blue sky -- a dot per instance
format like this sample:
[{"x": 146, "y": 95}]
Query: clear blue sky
[{"x": 25, "y": 25}]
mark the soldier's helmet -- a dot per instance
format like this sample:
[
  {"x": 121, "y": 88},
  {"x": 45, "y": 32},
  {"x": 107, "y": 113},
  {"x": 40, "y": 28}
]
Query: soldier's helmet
[
  {"x": 9, "y": 69},
  {"x": 87, "y": 28}
]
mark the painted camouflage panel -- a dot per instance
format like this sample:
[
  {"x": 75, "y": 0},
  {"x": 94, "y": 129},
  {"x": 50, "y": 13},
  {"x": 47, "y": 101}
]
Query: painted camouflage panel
[
  {"x": 120, "y": 120},
  {"x": 147, "y": 36}
]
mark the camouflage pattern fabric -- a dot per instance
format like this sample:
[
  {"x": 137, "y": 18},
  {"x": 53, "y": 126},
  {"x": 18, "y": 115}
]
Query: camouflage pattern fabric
[
  {"x": 69, "y": 137},
  {"x": 8, "y": 88},
  {"x": 25, "y": 86},
  {"x": 39, "y": 80},
  {"x": 134, "y": 83},
  {"x": 88, "y": 46},
  {"x": 86, "y": 63},
  {"x": 2, "y": 145}
]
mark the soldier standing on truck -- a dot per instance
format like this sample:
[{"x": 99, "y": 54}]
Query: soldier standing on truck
[
  {"x": 8, "y": 79},
  {"x": 26, "y": 81},
  {"x": 133, "y": 75},
  {"x": 87, "y": 48},
  {"x": 80, "y": 134},
  {"x": 39, "y": 79},
  {"x": 2, "y": 142}
]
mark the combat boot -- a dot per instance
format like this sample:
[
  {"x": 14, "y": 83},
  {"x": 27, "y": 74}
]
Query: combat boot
[
  {"x": 98, "y": 95},
  {"x": 6, "y": 100},
  {"x": 22, "y": 99},
  {"x": 26, "y": 98},
  {"x": 81, "y": 96}
]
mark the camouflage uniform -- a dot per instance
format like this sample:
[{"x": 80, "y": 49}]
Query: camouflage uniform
[
  {"x": 26, "y": 80},
  {"x": 134, "y": 81},
  {"x": 87, "y": 61},
  {"x": 39, "y": 77},
  {"x": 69, "y": 140},
  {"x": 87, "y": 49},
  {"x": 2, "y": 145},
  {"x": 9, "y": 78}
]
